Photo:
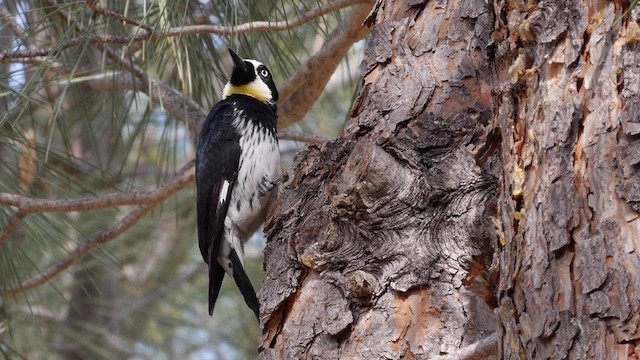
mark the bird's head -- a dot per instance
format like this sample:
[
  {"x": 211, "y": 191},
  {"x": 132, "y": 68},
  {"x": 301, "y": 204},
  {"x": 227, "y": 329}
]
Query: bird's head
[{"x": 251, "y": 78}]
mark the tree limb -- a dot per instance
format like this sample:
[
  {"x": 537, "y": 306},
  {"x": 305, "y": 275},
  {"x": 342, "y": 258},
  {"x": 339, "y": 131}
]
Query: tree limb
[
  {"x": 11, "y": 226},
  {"x": 305, "y": 18},
  {"x": 93, "y": 5},
  {"x": 7, "y": 18},
  {"x": 27, "y": 205},
  {"x": 306, "y": 138},
  {"x": 300, "y": 91}
]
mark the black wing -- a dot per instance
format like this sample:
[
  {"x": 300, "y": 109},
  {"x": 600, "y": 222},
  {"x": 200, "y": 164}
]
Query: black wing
[{"x": 217, "y": 162}]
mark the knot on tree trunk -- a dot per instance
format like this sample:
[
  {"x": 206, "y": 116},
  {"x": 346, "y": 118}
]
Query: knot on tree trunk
[{"x": 376, "y": 221}]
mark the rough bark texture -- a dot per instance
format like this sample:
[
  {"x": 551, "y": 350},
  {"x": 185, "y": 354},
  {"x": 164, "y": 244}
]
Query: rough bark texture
[
  {"x": 380, "y": 241},
  {"x": 569, "y": 113}
]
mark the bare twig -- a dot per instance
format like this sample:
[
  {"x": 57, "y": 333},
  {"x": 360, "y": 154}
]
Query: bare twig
[
  {"x": 11, "y": 226},
  {"x": 481, "y": 349},
  {"x": 300, "y": 91},
  {"x": 306, "y": 138},
  {"x": 7, "y": 18},
  {"x": 305, "y": 18},
  {"x": 54, "y": 51},
  {"x": 27, "y": 205},
  {"x": 38, "y": 55},
  {"x": 93, "y": 5},
  {"x": 161, "y": 194}
]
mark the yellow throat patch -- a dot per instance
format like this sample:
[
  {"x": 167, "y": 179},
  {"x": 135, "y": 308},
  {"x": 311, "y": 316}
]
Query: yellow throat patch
[{"x": 256, "y": 89}]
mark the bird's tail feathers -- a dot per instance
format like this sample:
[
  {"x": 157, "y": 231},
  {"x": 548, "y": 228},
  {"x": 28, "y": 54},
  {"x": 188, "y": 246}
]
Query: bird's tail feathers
[
  {"x": 216, "y": 275},
  {"x": 244, "y": 284}
]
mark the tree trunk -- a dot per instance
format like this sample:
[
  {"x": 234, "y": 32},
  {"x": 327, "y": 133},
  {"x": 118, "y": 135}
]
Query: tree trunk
[
  {"x": 380, "y": 242},
  {"x": 569, "y": 118}
]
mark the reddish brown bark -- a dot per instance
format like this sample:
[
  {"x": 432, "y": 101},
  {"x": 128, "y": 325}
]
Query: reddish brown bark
[{"x": 569, "y": 119}]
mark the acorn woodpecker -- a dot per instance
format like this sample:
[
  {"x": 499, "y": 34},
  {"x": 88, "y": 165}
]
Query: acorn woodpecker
[{"x": 237, "y": 166}]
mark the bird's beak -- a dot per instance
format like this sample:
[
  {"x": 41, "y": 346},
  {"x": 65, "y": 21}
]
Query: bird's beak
[{"x": 238, "y": 63}]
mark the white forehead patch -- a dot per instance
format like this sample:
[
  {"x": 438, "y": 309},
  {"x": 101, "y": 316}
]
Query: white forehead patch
[{"x": 256, "y": 64}]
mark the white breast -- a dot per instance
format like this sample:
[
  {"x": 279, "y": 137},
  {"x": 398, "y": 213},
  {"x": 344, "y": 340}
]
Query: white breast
[{"x": 260, "y": 161}]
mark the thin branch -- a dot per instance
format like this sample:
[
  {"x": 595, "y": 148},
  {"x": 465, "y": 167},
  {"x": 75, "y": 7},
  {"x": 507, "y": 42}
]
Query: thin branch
[
  {"x": 38, "y": 55},
  {"x": 481, "y": 349},
  {"x": 306, "y": 138},
  {"x": 7, "y": 18},
  {"x": 305, "y": 18},
  {"x": 27, "y": 205},
  {"x": 103, "y": 237},
  {"x": 93, "y": 5},
  {"x": 54, "y": 51},
  {"x": 148, "y": 34},
  {"x": 161, "y": 194},
  {"x": 300, "y": 91},
  {"x": 180, "y": 106},
  {"x": 19, "y": 32},
  {"x": 11, "y": 226},
  {"x": 30, "y": 60}
]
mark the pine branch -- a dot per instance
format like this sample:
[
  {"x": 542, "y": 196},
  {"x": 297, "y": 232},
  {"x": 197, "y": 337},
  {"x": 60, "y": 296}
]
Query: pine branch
[
  {"x": 300, "y": 91},
  {"x": 305, "y": 138},
  {"x": 181, "y": 107},
  {"x": 98, "y": 10},
  {"x": 11, "y": 226},
  {"x": 27, "y": 205},
  {"x": 103, "y": 237},
  {"x": 148, "y": 34},
  {"x": 295, "y": 99},
  {"x": 185, "y": 177},
  {"x": 7, "y": 18}
]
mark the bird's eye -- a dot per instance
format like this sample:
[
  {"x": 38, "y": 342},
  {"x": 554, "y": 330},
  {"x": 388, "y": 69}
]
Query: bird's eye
[{"x": 264, "y": 73}]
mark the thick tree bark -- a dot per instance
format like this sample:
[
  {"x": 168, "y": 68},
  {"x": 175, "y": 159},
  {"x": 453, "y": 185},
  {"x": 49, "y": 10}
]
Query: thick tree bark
[
  {"x": 380, "y": 241},
  {"x": 569, "y": 116}
]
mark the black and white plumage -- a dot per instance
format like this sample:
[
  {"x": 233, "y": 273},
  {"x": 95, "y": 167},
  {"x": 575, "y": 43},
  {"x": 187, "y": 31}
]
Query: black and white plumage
[{"x": 237, "y": 166}]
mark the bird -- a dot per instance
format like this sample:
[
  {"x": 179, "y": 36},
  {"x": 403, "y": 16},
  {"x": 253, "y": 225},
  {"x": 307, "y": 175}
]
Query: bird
[{"x": 237, "y": 168}]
